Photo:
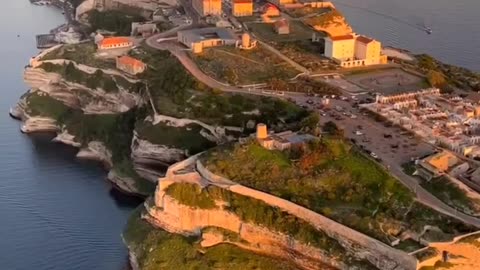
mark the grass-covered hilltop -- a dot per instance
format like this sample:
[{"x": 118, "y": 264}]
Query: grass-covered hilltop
[{"x": 333, "y": 178}]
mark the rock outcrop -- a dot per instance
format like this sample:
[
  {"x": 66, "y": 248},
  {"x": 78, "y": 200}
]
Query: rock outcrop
[{"x": 171, "y": 215}]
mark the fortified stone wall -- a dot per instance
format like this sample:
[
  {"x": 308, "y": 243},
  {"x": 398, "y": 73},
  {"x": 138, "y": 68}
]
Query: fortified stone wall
[
  {"x": 382, "y": 255},
  {"x": 175, "y": 217}
]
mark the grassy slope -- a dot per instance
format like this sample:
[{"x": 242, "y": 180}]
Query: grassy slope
[{"x": 335, "y": 180}]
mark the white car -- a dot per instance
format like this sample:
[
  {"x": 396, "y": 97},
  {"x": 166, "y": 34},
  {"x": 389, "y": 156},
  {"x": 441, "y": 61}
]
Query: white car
[
  {"x": 358, "y": 133},
  {"x": 374, "y": 155}
]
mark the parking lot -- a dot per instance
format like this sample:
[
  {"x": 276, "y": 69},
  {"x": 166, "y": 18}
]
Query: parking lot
[
  {"x": 393, "y": 145},
  {"x": 388, "y": 81}
]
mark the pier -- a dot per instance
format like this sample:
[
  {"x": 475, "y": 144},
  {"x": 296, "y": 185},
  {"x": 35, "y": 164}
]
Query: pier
[{"x": 45, "y": 41}]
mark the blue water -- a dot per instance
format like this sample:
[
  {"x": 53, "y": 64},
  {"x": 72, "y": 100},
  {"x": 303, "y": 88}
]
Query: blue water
[
  {"x": 59, "y": 213},
  {"x": 55, "y": 212},
  {"x": 455, "y": 24}
]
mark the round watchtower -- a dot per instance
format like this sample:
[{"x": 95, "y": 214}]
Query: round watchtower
[
  {"x": 245, "y": 40},
  {"x": 262, "y": 131}
]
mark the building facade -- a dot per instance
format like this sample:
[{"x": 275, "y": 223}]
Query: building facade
[
  {"x": 130, "y": 65},
  {"x": 114, "y": 43},
  {"x": 207, "y": 7},
  {"x": 198, "y": 39},
  {"x": 340, "y": 47},
  {"x": 354, "y": 51},
  {"x": 242, "y": 8}
]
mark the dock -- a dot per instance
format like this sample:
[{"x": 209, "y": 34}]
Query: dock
[{"x": 45, "y": 41}]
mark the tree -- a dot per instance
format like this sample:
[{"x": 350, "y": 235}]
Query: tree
[
  {"x": 436, "y": 78},
  {"x": 332, "y": 129},
  {"x": 310, "y": 121}
]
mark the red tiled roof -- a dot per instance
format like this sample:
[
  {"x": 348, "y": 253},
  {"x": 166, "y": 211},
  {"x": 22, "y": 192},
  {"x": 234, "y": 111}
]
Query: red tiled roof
[
  {"x": 127, "y": 60},
  {"x": 344, "y": 37},
  {"x": 364, "y": 39},
  {"x": 114, "y": 40}
]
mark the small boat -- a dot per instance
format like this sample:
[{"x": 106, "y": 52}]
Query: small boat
[{"x": 428, "y": 30}]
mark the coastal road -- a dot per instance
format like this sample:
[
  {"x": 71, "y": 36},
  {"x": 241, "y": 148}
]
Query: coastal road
[{"x": 392, "y": 160}]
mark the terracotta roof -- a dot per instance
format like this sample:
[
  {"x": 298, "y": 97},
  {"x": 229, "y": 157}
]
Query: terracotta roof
[
  {"x": 270, "y": 6},
  {"x": 243, "y": 1},
  {"x": 344, "y": 37},
  {"x": 364, "y": 39},
  {"x": 127, "y": 60},
  {"x": 114, "y": 40}
]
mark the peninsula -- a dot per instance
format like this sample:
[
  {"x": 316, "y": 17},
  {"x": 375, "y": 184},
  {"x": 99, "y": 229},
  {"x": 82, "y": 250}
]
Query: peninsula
[{"x": 264, "y": 134}]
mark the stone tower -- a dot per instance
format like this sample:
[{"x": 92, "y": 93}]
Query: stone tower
[{"x": 262, "y": 131}]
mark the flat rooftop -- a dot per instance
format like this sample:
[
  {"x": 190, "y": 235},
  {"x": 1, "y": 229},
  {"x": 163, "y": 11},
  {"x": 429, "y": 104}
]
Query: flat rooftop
[{"x": 200, "y": 34}]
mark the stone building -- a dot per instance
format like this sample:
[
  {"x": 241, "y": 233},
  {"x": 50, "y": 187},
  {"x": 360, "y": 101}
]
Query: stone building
[
  {"x": 130, "y": 65},
  {"x": 242, "y": 8},
  {"x": 143, "y": 29},
  {"x": 354, "y": 50},
  {"x": 114, "y": 43},
  {"x": 281, "y": 141},
  {"x": 198, "y": 39},
  {"x": 207, "y": 7}
]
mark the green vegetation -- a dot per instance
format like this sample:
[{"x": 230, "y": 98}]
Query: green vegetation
[
  {"x": 116, "y": 21},
  {"x": 83, "y": 53},
  {"x": 266, "y": 31},
  {"x": 260, "y": 213},
  {"x": 445, "y": 76},
  {"x": 334, "y": 179},
  {"x": 409, "y": 245},
  {"x": 426, "y": 254},
  {"x": 326, "y": 19},
  {"x": 240, "y": 67},
  {"x": 187, "y": 137},
  {"x": 93, "y": 81},
  {"x": 303, "y": 85},
  {"x": 158, "y": 249},
  {"x": 451, "y": 194},
  {"x": 409, "y": 167},
  {"x": 306, "y": 10},
  {"x": 114, "y": 130},
  {"x": 176, "y": 93}
]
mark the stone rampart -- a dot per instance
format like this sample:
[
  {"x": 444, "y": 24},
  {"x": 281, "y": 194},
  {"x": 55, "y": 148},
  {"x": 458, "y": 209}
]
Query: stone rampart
[
  {"x": 380, "y": 254},
  {"x": 179, "y": 218}
]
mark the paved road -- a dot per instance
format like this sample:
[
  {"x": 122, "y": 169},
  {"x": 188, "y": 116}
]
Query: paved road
[
  {"x": 373, "y": 139},
  {"x": 373, "y": 130}
]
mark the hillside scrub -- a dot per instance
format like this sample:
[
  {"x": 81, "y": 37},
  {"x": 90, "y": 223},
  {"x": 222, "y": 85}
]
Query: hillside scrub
[
  {"x": 188, "y": 137},
  {"x": 116, "y": 21},
  {"x": 93, "y": 81},
  {"x": 176, "y": 93},
  {"x": 334, "y": 179},
  {"x": 115, "y": 131},
  {"x": 158, "y": 249},
  {"x": 83, "y": 53},
  {"x": 259, "y": 213}
]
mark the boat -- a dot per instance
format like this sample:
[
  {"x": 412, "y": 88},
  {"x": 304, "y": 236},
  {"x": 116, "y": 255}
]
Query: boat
[{"x": 428, "y": 30}]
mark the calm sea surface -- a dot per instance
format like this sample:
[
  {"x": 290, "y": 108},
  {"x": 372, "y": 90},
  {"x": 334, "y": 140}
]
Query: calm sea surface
[
  {"x": 59, "y": 213},
  {"x": 400, "y": 23},
  {"x": 55, "y": 212}
]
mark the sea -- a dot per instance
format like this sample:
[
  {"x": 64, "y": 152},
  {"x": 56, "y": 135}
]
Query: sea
[
  {"x": 59, "y": 213},
  {"x": 455, "y": 25},
  {"x": 56, "y": 212}
]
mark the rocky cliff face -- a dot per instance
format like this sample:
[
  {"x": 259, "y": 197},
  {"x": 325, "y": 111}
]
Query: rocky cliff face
[
  {"x": 90, "y": 101},
  {"x": 178, "y": 218}
]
